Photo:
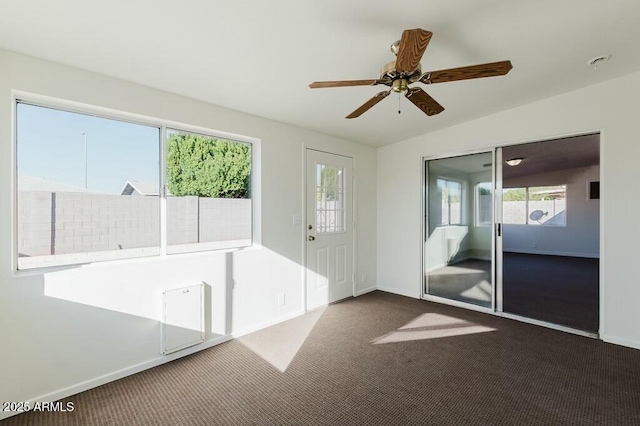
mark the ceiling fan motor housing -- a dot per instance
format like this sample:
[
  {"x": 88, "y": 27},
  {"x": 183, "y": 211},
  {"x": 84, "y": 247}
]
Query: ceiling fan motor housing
[{"x": 398, "y": 82}]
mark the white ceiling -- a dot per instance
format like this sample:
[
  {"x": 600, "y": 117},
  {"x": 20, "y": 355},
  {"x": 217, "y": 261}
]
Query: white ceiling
[{"x": 259, "y": 56}]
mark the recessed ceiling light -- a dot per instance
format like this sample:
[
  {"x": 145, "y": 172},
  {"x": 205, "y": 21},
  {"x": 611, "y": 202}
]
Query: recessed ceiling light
[{"x": 598, "y": 60}]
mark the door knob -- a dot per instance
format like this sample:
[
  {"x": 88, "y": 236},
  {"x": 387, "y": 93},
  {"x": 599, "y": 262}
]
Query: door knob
[{"x": 312, "y": 238}]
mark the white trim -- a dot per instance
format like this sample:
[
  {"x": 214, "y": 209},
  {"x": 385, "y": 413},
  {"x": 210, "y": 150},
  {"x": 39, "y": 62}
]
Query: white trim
[
  {"x": 114, "y": 114},
  {"x": 498, "y": 245},
  {"x": 601, "y": 293},
  {"x": 496, "y": 149},
  {"x": 163, "y": 125},
  {"x": 354, "y": 204},
  {"x": 137, "y": 368},
  {"x": 266, "y": 324},
  {"x": 119, "y": 374},
  {"x": 365, "y": 291},
  {"x": 398, "y": 292},
  {"x": 424, "y": 196},
  {"x": 303, "y": 233},
  {"x": 546, "y": 324},
  {"x": 615, "y": 340},
  {"x": 553, "y": 253},
  {"x": 457, "y": 303},
  {"x": 14, "y": 185}
]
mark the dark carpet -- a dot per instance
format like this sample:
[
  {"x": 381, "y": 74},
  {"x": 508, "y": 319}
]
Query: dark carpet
[
  {"x": 518, "y": 374},
  {"x": 557, "y": 289}
]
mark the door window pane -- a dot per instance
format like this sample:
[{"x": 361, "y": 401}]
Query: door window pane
[{"x": 330, "y": 197}]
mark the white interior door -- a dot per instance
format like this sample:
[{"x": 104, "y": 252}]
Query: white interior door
[{"x": 329, "y": 228}]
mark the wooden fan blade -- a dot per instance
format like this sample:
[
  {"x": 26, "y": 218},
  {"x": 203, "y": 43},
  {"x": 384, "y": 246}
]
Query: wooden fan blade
[
  {"x": 422, "y": 100},
  {"x": 465, "y": 73},
  {"x": 344, "y": 83},
  {"x": 412, "y": 46},
  {"x": 369, "y": 104}
]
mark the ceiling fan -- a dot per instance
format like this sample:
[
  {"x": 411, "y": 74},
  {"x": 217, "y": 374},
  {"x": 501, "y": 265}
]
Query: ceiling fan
[{"x": 405, "y": 70}]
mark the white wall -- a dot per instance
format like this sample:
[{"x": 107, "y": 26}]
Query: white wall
[
  {"x": 69, "y": 330},
  {"x": 610, "y": 107},
  {"x": 580, "y": 237}
]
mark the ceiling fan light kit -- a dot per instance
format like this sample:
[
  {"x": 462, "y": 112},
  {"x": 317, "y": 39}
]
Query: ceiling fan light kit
[{"x": 406, "y": 70}]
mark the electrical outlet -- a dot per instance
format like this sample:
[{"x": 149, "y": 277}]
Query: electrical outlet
[
  {"x": 363, "y": 278},
  {"x": 297, "y": 219},
  {"x": 535, "y": 244},
  {"x": 281, "y": 300}
]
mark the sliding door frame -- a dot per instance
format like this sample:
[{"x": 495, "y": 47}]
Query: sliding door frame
[
  {"x": 497, "y": 243},
  {"x": 497, "y": 227},
  {"x": 424, "y": 281}
]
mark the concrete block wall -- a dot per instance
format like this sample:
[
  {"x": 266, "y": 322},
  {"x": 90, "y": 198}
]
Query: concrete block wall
[
  {"x": 73, "y": 222},
  {"x": 182, "y": 220},
  {"x": 223, "y": 219},
  {"x": 34, "y": 223},
  {"x": 68, "y": 222}
]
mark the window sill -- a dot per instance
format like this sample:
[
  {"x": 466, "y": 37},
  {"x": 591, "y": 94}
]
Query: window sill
[{"x": 141, "y": 259}]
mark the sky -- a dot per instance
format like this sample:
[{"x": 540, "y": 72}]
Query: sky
[{"x": 50, "y": 145}]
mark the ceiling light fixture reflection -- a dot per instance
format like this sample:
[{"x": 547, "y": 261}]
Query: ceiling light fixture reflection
[{"x": 514, "y": 161}]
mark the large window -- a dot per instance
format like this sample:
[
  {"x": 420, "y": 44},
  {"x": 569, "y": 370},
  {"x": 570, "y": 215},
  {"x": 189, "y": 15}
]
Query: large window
[
  {"x": 541, "y": 205},
  {"x": 451, "y": 192},
  {"x": 89, "y": 188}
]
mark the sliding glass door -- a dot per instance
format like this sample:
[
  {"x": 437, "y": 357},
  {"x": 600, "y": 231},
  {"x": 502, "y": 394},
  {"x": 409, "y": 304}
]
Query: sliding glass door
[{"x": 458, "y": 239}]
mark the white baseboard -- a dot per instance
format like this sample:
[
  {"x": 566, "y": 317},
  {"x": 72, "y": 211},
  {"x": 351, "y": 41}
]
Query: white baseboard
[
  {"x": 266, "y": 324},
  {"x": 634, "y": 344},
  {"x": 365, "y": 291},
  {"x": 128, "y": 371},
  {"x": 553, "y": 253},
  {"x": 399, "y": 292},
  {"x": 435, "y": 268},
  {"x": 116, "y": 375}
]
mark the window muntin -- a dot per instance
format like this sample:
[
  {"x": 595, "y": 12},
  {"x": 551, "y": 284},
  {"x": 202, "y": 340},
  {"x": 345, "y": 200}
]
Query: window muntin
[
  {"x": 451, "y": 201},
  {"x": 118, "y": 150},
  {"x": 330, "y": 199},
  {"x": 208, "y": 192},
  {"x": 539, "y": 205}
]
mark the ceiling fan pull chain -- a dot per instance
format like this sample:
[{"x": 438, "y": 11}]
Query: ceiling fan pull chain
[{"x": 399, "y": 103}]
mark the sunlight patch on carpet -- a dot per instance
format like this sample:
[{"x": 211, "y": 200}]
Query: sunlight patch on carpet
[
  {"x": 279, "y": 344},
  {"x": 432, "y": 326}
]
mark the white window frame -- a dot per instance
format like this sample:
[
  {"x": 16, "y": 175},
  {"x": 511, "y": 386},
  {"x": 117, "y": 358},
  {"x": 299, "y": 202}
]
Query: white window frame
[
  {"x": 462, "y": 204},
  {"x": 163, "y": 125},
  {"x": 527, "y": 212},
  {"x": 476, "y": 206}
]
